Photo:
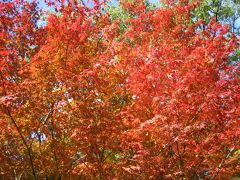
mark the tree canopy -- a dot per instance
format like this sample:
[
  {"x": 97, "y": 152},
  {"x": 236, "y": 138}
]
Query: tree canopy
[{"x": 132, "y": 91}]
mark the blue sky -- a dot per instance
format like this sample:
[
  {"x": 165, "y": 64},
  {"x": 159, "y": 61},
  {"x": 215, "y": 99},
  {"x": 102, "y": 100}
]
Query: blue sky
[
  {"x": 43, "y": 5},
  {"x": 114, "y": 2}
]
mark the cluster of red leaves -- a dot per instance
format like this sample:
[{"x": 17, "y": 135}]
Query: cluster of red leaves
[{"x": 157, "y": 100}]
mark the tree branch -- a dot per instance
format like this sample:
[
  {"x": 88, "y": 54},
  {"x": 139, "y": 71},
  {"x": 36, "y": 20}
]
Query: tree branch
[
  {"x": 222, "y": 162},
  {"x": 19, "y": 131}
]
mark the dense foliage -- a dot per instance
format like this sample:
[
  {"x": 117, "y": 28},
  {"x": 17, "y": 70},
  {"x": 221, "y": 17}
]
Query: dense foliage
[{"x": 127, "y": 92}]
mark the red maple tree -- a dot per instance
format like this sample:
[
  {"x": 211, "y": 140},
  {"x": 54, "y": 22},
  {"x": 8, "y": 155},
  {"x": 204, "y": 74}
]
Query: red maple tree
[{"x": 83, "y": 97}]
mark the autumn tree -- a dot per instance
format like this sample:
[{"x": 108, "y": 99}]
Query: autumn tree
[
  {"x": 222, "y": 11},
  {"x": 125, "y": 92},
  {"x": 20, "y": 40},
  {"x": 226, "y": 12},
  {"x": 185, "y": 96}
]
